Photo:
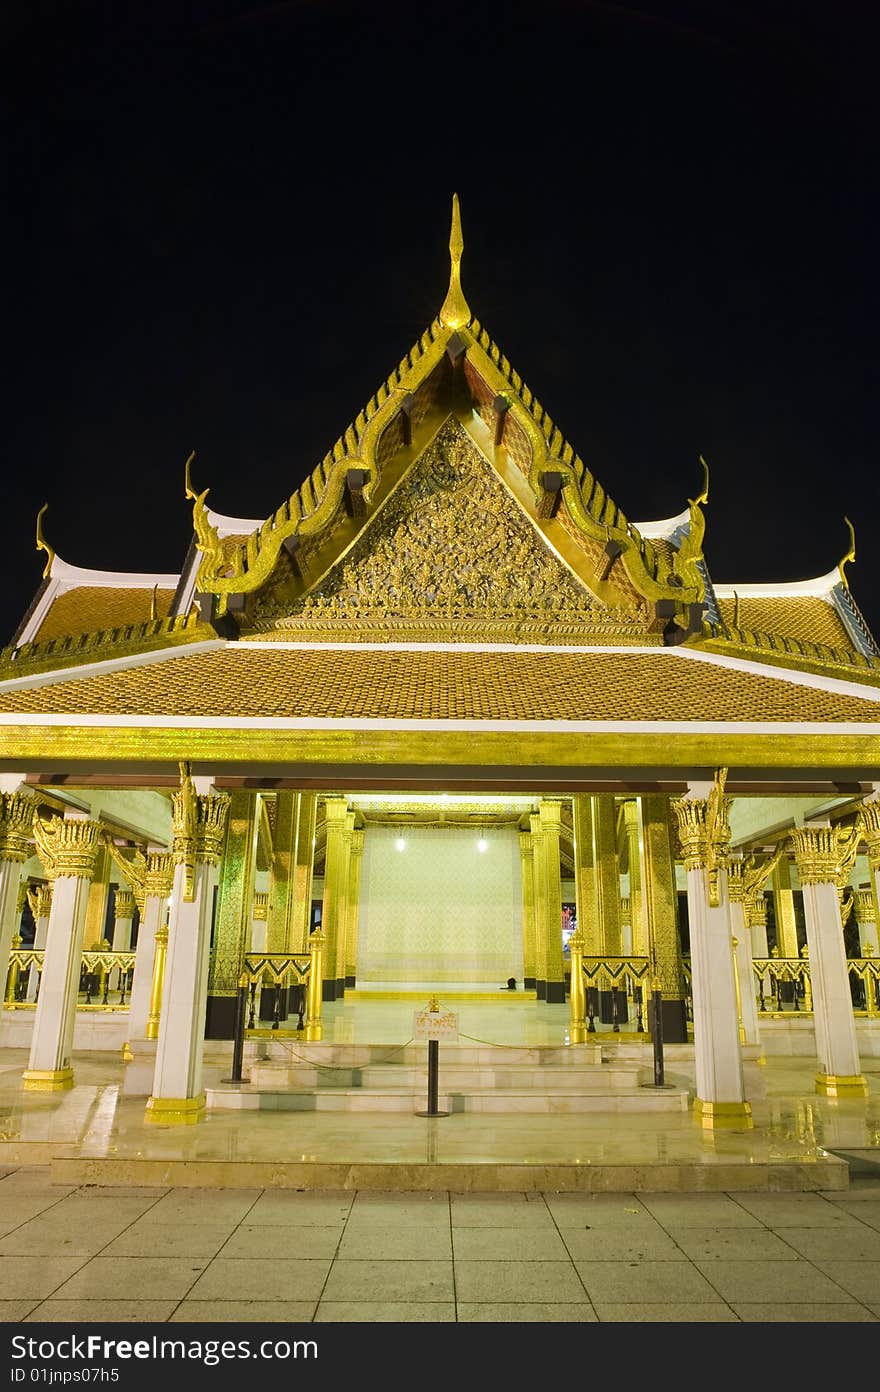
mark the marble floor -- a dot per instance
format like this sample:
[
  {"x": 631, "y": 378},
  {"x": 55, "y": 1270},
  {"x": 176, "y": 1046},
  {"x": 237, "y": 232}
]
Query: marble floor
[{"x": 311, "y": 1217}]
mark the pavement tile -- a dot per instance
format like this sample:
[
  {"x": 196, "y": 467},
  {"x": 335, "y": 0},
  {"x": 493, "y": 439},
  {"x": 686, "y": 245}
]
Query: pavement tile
[
  {"x": 645, "y": 1283},
  {"x": 300, "y": 1240},
  {"x": 522, "y": 1312},
  {"x": 154, "y": 1278},
  {"x": 660, "y": 1313},
  {"x": 698, "y": 1211},
  {"x": 261, "y": 1278},
  {"x": 26, "y": 1277},
  {"x": 389, "y": 1281},
  {"x": 385, "y": 1312},
  {"x": 732, "y": 1244},
  {"x": 860, "y": 1279},
  {"x": 795, "y": 1211},
  {"x": 105, "y": 1311},
  {"x": 768, "y": 1312},
  {"x": 621, "y": 1244},
  {"x": 243, "y": 1312},
  {"x": 777, "y": 1282},
  {"x": 530, "y": 1281}
]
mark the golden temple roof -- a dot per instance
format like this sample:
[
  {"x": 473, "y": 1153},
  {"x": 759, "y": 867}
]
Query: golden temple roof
[
  {"x": 259, "y": 682},
  {"x": 91, "y": 607}
]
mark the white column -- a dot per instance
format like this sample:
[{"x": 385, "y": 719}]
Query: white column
[
  {"x": 199, "y": 824},
  {"x": 16, "y": 834},
  {"x": 70, "y": 845},
  {"x": 41, "y": 905},
  {"x": 260, "y": 912},
  {"x": 819, "y": 851},
  {"x": 866, "y": 917},
  {"x": 158, "y": 880},
  {"x": 720, "y": 1099},
  {"x": 742, "y": 949},
  {"x": 871, "y": 833}
]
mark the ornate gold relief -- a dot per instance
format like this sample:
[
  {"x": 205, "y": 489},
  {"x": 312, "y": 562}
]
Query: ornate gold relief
[
  {"x": 123, "y": 903},
  {"x": 159, "y": 875},
  {"x": 450, "y": 554},
  {"x": 39, "y": 898},
  {"x": 870, "y": 822},
  {"x": 67, "y": 845},
  {"x": 199, "y": 825},
  {"x": 825, "y": 855},
  {"x": 704, "y": 833},
  {"x": 16, "y": 826},
  {"x": 132, "y": 866}
]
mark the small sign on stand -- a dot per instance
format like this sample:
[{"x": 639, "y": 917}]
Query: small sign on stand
[{"x": 434, "y": 1024}]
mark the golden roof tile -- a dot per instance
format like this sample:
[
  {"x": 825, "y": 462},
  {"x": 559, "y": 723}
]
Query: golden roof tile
[
  {"x": 807, "y": 617},
  {"x": 89, "y": 608},
  {"x": 318, "y": 683}
]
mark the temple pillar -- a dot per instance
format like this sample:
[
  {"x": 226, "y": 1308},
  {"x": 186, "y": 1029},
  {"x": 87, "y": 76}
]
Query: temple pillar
[
  {"x": 747, "y": 999},
  {"x": 606, "y": 880},
  {"x": 300, "y": 916},
  {"x": 158, "y": 882},
  {"x": 354, "y": 887},
  {"x": 40, "y": 899},
  {"x": 259, "y": 917},
  {"x": 870, "y": 822},
  {"x": 866, "y": 918},
  {"x": 584, "y": 874},
  {"x": 232, "y": 928},
  {"x": 632, "y": 824},
  {"x": 783, "y": 905},
  {"x": 281, "y": 885},
  {"x": 199, "y": 828},
  {"x": 704, "y": 833},
  {"x": 68, "y": 847},
  {"x": 527, "y": 869},
  {"x": 334, "y": 911},
  {"x": 550, "y": 978},
  {"x": 94, "y": 933},
  {"x": 626, "y": 932},
  {"x": 16, "y": 834},
  {"x": 660, "y": 914},
  {"x": 819, "y": 851},
  {"x": 123, "y": 917}
]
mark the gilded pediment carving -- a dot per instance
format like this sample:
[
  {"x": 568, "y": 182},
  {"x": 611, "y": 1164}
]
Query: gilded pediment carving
[{"x": 450, "y": 554}]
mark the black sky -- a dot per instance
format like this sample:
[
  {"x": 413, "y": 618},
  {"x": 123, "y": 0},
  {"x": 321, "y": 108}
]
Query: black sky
[{"x": 226, "y": 222}]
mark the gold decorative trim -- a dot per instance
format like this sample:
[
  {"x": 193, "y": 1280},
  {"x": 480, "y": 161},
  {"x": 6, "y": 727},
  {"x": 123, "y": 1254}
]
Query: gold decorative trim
[
  {"x": 715, "y": 1116},
  {"x": 825, "y": 854},
  {"x": 16, "y": 826},
  {"x": 175, "y": 1111},
  {"x": 67, "y": 845},
  {"x": 841, "y": 1085},
  {"x": 870, "y": 821},
  {"x": 47, "y": 1080},
  {"x": 704, "y": 833},
  {"x": 159, "y": 875}
]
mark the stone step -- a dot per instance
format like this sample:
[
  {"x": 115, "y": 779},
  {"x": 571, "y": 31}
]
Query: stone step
[
  {"x": 455, "y": 1076},
  {"x": 360, "y": 1055},
  {"x": 230, "y": 1097}
]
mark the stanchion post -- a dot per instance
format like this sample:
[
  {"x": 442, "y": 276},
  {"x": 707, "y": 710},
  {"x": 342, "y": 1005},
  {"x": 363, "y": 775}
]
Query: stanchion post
[
  {"x": 238, "y": 1038},
  {"x": 657, "y": 1030},
  {"x": 433, "y": 1109},
  {"x": 577, "y": 1030}
]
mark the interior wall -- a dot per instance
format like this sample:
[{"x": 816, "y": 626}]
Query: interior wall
[{"x": 440, "y": 910}]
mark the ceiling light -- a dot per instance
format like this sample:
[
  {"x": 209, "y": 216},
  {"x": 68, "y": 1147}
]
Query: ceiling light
[{"x": 400, "y": 843}]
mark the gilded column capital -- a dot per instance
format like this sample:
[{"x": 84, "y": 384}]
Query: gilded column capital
[
  {"x": 159, "y": 875},
  {"x": 866, "y": 910},
  {"x": 39, "y": 897},
  {"x": 704, "y": 832},
  {"x": 755, "y": 907},
  {"x": 736, "y": 888},
  {"x": 824, "y": 855},
  {"x": 870, "y": 823},
  {"x": 123, "y": 903},
  {"x": 16, "y": 825},
  {"x": 261, "y": 905},
  {"x": 212, "y": 810},
  {"x": 21, "y": 898},
  {"x": 550, "y": 813},
  {"x": 68, "y": 845},
  {"x": 357, "y": 841}
]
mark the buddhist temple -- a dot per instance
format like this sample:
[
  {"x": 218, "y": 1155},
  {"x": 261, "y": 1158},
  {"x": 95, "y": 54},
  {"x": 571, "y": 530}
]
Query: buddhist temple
[{"x": 447, "y": 717}]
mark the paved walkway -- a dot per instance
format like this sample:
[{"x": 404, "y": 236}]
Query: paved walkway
[{"x": 150, "y": 1255}]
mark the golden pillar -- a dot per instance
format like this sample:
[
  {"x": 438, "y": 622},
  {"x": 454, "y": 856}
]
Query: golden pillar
[
  {"x": 334, "y": 911},
  {"x": 157, "y": 984},
  {"x": 546, "y": 829},
  {"x": 632, "y": 824},
  {"x": 783, "y": 904},
  {"x": 315, "y": 990},
  {"x": 300, "y": 904},
  {"x": 354, "y": 891},
  {"x": 232, "y": 928},
  {"x": 607, "y": 874},
  {"x": 577, "y": 1030},
  {"x": 584, "y": 875},
  {"x": 281, "y": 885},
  {"x": 660, "y": 914},
  {"x": 99, "y": 894},
  {"x": 527, "y": 867}
]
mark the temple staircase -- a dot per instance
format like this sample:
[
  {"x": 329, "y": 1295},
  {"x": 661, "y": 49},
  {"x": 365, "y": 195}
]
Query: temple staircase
[{"x": 300, "y": 1076}]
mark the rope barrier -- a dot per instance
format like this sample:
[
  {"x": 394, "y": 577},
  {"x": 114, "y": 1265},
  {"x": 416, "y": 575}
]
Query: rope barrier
[{"x": 341, "y": 1067}]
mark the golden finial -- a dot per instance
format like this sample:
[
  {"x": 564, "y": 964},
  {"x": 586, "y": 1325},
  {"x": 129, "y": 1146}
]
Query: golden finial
[
  {"x": 187, "y": 481},
  {"x": 42, "y": 543},
  {"x": 704, "y": 496},
  {"x": 154, "y": 604},
  {"x": 456, "y": 311},
  {"x": 735, "y": 609},
  {"x": 851, "y": 553}
]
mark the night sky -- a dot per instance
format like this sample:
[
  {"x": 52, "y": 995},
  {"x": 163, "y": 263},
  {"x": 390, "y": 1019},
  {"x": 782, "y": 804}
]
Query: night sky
[{"x": 224, "y": 224}]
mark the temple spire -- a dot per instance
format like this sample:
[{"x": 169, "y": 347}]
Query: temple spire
[
  {"x": 851, "y": 553},
  {"x": 456, "y": 311},
  {"x": 43, "y": 545}
]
